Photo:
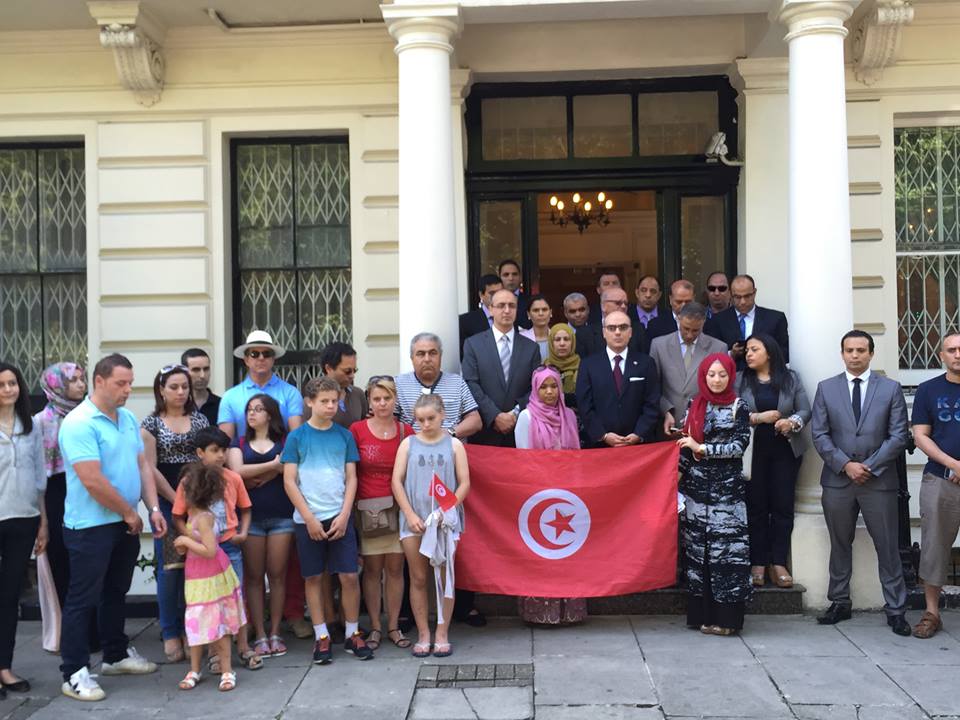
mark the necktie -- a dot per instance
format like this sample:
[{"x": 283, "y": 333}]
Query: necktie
[
  {"x": 856, "y": 399},
  {"x": 687, "y": 355},
  {"x": 617, "y": 373},
  {"x": 743, "y": 327},
  {"x": 505, "y": 357}
]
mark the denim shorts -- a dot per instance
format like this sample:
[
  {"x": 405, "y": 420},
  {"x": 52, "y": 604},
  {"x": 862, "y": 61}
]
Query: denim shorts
[
  {"x": 236, "y": 558},
  {"x": 271, "y": 526}
]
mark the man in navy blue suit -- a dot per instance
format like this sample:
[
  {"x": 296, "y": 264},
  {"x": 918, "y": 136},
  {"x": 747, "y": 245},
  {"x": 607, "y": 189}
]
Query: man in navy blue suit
[
  {"x": 745, "y": 318},
  {"x": 618, "y": 390}
]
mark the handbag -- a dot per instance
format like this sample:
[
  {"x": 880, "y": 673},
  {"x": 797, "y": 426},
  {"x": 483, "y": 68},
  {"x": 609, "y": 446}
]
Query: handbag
[
  {"x": 49, "y": 605},
  {"x": 380, "y": 515}
]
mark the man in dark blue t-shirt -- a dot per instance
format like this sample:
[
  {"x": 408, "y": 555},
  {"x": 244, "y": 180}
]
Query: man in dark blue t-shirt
[{"x": 936, "y": 430}]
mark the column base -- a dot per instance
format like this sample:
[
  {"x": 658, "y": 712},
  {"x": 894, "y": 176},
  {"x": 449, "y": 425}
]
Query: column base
[{"x": 811, "y": 556}]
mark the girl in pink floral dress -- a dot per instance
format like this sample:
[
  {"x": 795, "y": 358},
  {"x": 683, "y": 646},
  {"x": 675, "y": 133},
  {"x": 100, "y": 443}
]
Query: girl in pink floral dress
[{"x": 214, "y": 602}]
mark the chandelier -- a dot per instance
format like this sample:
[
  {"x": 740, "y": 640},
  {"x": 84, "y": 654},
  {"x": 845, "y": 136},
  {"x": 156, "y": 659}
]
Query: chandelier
[{"x": 583, "y": 214}]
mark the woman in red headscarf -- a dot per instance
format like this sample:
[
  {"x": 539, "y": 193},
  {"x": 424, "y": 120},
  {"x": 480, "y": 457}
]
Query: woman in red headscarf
[{"x": 716, "y": 431}]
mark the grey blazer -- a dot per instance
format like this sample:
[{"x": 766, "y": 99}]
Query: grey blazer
[
  {"x": 483, "y": 373},
  {"x": 791, "y": 404},
  {"x": 877, "y": 441},
  {"x": 678, "y": 385}
]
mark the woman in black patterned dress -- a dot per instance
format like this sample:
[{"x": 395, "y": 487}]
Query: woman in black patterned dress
[{"x": 716, "y": 433}]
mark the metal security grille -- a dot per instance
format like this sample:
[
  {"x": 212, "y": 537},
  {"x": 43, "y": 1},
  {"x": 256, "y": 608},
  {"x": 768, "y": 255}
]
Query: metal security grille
[
  {"x": 292, "y": 247},
  {"x": 43, "y": 257},
  {"x": 927, "y": 181}
]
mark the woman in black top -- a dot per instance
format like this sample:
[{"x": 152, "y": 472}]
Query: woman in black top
[{"x": 779, "y": 410}]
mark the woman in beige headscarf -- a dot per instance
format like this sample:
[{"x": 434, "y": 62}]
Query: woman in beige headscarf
[{"x": 562, "y": 355}]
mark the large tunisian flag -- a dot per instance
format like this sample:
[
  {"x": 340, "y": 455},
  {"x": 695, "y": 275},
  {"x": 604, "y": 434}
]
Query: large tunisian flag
[{"x": 563, "y": 523}]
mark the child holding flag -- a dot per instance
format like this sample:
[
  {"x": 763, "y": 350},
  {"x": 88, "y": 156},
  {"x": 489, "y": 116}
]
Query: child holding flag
[{"x": 430, "y": 481}]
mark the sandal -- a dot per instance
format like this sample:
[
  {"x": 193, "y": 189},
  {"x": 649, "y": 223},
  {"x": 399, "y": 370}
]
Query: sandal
[
  {"x": 780, "y": 579},
  {"x": 261, "y": 647},
  {"x": 442, "y": 650},
  {"x": 277, "y": 646},
  {"x": 757, "y": 575},
  {"x": 402, "y": 641},
  {"x": 189, "y": 681},
  {"x": 421, "y": 650},
  {"x": 373, "y": 639},
  {"x": 228, "y": 681},
  {"x": 250, "y": 660},
  {"x": 928, "y": 626}
]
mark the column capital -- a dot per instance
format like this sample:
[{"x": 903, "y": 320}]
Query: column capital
[
  {"x": 812, "y": 17},
  {"x": 423, "y": 25}
]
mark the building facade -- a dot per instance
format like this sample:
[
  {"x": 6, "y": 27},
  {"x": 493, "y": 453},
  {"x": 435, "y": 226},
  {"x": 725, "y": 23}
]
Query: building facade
[{"x": 173, "y": 176}]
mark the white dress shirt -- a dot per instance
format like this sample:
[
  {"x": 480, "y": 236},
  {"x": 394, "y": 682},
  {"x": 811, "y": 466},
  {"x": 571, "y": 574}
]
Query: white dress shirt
[
  {"x": 498, "y": 337},
  {"x": 683, "y": 344},
  {"x": 623, "y": 359},
  {"x": 865, "y": 378}
]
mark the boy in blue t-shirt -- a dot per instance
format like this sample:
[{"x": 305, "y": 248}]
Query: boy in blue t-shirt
[{"x": 320, "y": 476}]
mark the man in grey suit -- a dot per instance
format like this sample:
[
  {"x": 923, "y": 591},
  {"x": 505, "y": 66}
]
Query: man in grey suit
[
  {"x": 498, "y": 366},
  {"x": 677, "y": 356},
  {"x": 859, "y": 426}
]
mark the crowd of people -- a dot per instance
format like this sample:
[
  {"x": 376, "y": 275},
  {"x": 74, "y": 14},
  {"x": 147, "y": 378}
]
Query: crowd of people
[{"x": 332, "y": 496}]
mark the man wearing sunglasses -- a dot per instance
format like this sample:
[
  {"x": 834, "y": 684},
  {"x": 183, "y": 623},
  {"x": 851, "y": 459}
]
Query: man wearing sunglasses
[
  {"x": 717, "y": 294},
  {"x": 339, "y": 361},
  {"x": 259, "y": 353}
]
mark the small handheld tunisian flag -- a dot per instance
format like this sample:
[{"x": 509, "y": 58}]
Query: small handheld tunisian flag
[
  {"x": 570, "y": 523},
  {"x": 444, "y": 495}
]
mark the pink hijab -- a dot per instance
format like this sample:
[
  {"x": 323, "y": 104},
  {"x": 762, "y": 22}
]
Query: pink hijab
[{"x": 550, "y": 423}]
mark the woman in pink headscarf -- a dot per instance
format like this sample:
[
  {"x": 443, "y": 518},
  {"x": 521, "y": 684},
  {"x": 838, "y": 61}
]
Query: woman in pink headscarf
[{"x": 548, "y": 424}]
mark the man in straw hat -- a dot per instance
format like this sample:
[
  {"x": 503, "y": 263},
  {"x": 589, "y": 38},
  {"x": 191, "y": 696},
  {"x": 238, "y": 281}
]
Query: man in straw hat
[{"x": 259, "y": 353}]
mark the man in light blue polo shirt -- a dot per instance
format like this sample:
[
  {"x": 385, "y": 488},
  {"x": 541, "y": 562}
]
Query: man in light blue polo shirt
[
  {"x": 107, "y": 476},
  {"x": 259, "y": 354}
]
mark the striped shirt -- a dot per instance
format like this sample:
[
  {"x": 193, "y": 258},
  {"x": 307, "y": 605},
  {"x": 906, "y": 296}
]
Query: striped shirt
[{"x": 457, "y": 400}]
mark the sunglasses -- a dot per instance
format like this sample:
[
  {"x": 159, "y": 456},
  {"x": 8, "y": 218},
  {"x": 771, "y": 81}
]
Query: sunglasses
[
  {"x": 616, "y": 328},
  {"x": 717, "y": 288},
  {"x": 378, "y": 378},
  {"x": 257, "y": 354},
  {"x": 168, "y": 369}
]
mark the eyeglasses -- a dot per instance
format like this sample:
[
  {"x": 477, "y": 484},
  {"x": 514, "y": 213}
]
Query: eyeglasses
[
  {"x": 617, "y": 328},
  {"x": 504, "y": 306},
  {"x": 168, "y": 369},
  {"x": 257, "y": 354},
  {"x": 717, "y": 288}
]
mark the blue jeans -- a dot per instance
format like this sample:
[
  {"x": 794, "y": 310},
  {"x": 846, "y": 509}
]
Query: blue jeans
[
  {"x": 170, "y": 598},
  {"x": 102, "y": 561}
]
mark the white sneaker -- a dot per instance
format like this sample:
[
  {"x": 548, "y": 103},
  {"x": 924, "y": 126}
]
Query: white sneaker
[
  {"x": 133, "y": 664},
  {"x": 82, "y": 686}
]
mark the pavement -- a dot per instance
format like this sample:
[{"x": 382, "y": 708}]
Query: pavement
[{"x": 611, "y": 667}]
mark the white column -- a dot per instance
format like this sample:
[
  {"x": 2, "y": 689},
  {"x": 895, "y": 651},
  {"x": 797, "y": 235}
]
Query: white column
[
  {"x": 428, "y": 263},
  {"x": 820, "y": 274}
]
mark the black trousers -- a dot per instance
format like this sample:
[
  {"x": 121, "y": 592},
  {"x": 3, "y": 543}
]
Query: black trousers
[
  {"x": 17, "y": 537},
  {"x": 770, "y": 498},
  {"x": 102, "y": 561}
]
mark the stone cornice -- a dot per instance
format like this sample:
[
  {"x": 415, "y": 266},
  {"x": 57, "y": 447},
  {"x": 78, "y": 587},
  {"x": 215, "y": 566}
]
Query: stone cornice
[
  {"x": 876, "y": 38},
  {"x": 135, "y": 41},
  {"x": 763, "y": 74}
]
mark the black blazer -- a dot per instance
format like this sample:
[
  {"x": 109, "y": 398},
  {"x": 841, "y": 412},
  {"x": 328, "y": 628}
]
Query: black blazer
[
  {"x": 603, "y": 410},
  {"x": 483, "y": 373},
  {"x": 590, "y": 338},
  {"x": 725, "y": 326},
  {"x": 471, "y": 323},
  {"x": 662, "y": 324},
  {"x": 522, "y": 304}
]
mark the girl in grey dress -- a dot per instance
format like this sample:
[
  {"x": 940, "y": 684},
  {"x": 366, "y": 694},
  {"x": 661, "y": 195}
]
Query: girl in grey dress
[{"x": 431, "y": 451}]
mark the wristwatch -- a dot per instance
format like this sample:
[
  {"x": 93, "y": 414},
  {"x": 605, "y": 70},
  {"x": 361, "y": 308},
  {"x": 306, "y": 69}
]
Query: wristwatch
[
  {"x": 453, "y": 432},
  {"x": 155, "y": 508}
]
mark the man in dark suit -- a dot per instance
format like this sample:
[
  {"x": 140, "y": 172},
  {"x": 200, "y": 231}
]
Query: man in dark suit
[
  {"x": 510, "y": 276},
  {"x": 735, "y": 324},
  {"x": 590, "y": 336},
  {"x": 481, "y": 318},
  {"x": 606, "y": 281},
  {"x": 859, "y": 427},
  {"x": 618, "y": 390},
  {"x": 498, "y": 366},
  {"x": 681, "y": 293},
  {"x": 646, "y": 309}
]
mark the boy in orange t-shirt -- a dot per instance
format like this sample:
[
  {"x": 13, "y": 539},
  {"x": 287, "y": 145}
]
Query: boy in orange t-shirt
[{"x": 233, "y": 516}]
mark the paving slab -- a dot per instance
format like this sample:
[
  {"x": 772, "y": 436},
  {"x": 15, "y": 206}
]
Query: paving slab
[
  {"x": 669, "y": 638},
  {"x": 502, "y": 641},
  {"x": 597, "y": 712},
  {"x": 834, "y": 681},
  {"x": 501, "y": 703},
  {"x": 692, "y": 687},
  {"x": 382, "y": 684},
  {"x": 601, "y": 636},
  {"x": 599, "y": 681},
  {"x": 936, "y": 688},
  {"x": 884, "y": 646},
  {"x": 825, "y": 712},
  {"x": 441, "y": 704},
  {"x": 796, "y": 636}
]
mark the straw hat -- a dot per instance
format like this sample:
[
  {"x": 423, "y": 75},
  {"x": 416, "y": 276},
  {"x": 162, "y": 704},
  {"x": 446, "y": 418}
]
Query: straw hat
[{"x": 258, "y": 338}]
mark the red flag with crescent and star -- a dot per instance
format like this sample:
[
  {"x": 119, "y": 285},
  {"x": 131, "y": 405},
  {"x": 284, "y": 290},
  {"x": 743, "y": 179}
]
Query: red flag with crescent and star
[
  {"x": 442, "y": 494},
  {"x": 570, "y": 523}
]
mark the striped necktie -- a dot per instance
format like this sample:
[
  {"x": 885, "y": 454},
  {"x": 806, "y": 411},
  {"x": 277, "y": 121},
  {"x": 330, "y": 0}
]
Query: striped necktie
[{"x": 505, "y": 357}]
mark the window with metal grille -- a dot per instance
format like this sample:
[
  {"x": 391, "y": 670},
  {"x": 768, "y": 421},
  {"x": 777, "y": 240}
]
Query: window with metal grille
[
  {"x": 291, "y": 247},
  {"x": 43, "y": 257},
  {"x": 927, "y": 181}
]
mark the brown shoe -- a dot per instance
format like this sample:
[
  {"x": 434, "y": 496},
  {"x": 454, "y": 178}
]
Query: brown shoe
[
  {"x": 780, "y": 577},
  {"x": 757, "y": 575},
  {"x": 928, "y": 626}
]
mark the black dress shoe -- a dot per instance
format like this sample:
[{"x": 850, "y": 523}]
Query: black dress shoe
[
  {"x": 20, "y": 685},
  {"x": 834, "y": 614},
  {"x": 899, "y": 624}
]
